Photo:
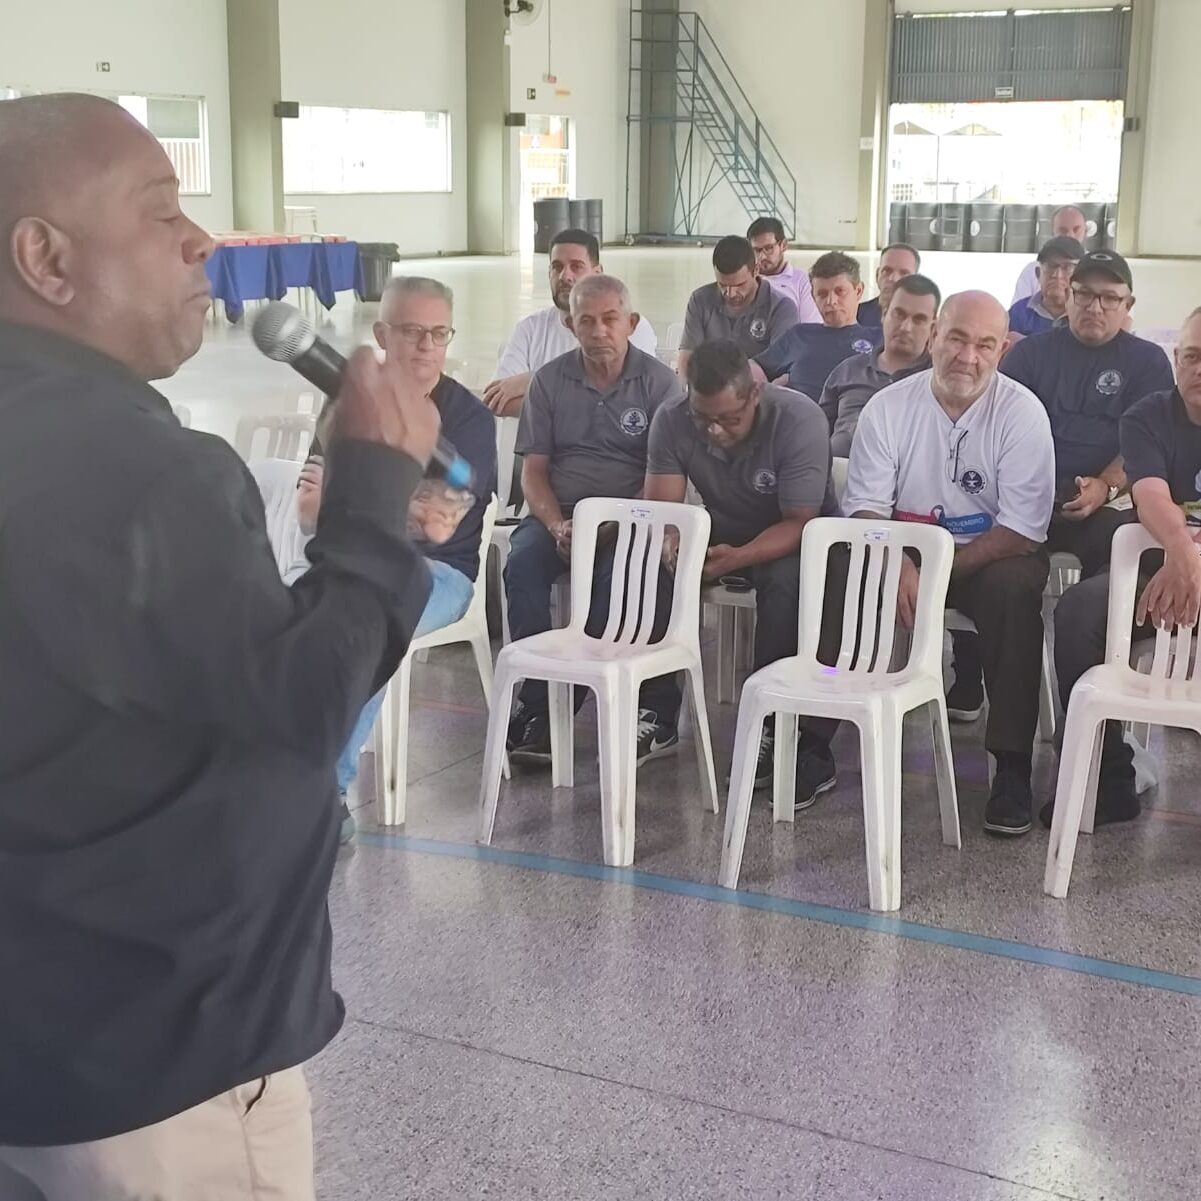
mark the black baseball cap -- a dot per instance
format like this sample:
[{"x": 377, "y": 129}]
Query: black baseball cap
[
  {"x": 1061, "y": 248},
  {"x": 1104, "y": 262}
]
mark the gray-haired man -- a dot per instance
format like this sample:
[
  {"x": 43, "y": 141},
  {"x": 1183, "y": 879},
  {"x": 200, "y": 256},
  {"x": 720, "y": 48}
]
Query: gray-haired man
[{"x": 584, "y": 433}]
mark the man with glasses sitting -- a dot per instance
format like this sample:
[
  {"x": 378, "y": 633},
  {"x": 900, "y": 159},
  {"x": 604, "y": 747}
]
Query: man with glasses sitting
[
  {"x": 766, "y": 236},
  {"x": 759, "y": 455},
  {"x": 415, "y": 327},
  {"x": 968, "y": 449},
  {"x": 583, "y": 433},
  {"x": 1087, "y": 372},
  {"x": 1056, "y": 262}
]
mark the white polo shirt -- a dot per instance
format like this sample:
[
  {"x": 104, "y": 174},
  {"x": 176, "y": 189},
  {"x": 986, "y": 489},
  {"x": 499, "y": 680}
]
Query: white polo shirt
[
  {"x": 994, "y": 466},
  {"x": 541, "y": 337}
]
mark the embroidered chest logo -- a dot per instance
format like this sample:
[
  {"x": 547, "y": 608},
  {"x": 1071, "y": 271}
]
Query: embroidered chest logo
[
  {"x": 862, "y": 346},
  {"x": 764, "y": 481},
  {"x": 758, "y": 329},
  {"x": 634, "y": 422},
  {"x": 972, "y": 481},
  {"x": 1109, "y": 383}
]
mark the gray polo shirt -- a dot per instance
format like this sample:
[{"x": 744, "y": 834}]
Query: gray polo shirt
[
  {"x": 596, "y": 441},
  {"x": 783, "y": 464},
  {"x": 755, "y": 328},
  {"x": 850, "y": 386}
]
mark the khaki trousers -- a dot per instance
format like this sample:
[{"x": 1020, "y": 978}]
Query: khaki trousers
[{"x": 253, "y": 1143}]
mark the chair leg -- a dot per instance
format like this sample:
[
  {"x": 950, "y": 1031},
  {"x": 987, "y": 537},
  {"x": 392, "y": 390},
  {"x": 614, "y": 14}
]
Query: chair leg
[
  {"x": 701, "y": 737},
  {"x": 562, "y": 736},
  {"x": 617, "y": 732},
  {"x": 502, "y": 557},
  {"x": 725, "y": 655},
  {"x": 1079, "y": 763},
  {"x": 1089, "y": 816},
  {"x": 742, "y": 786},
  {"x": 944, "y": 772},
  {"x": 1046, "y": 698},
  {"x": 880, "y": 748},
  {"x": 395, "y": 714},
  {"x": 381, "y": 755},
  {"x": 481, "y": 649},
  {"x": 783, "y": 786},
  {"x": 494, "y": 748}
]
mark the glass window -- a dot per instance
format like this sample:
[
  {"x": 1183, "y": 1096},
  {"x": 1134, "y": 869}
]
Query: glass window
[{"x": 366, "y": 150}]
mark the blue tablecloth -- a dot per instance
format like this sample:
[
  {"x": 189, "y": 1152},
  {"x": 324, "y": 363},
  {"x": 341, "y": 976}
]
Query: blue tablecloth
[{"x": 241, "y": 273}]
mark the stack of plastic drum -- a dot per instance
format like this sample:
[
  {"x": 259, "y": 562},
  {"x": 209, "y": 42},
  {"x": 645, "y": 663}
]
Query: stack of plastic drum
[
  {"x": 985, "y": 228},
  {"x": 1021, "y": 229},
  {"x": 551, "y": 215}
]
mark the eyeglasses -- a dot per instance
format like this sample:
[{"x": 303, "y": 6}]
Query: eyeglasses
[
  {"x": 725, "y": 421},
  {"x": 953, "y": 450},
  {"x": 1109, "y": 301},
  {"x": 439, "y": 335},
  {"x": 766, "y": 248}
]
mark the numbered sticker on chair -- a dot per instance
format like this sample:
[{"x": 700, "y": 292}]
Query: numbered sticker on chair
[
  {"x": 641, "y": 514},
  {"x": 877, "y": 535}
]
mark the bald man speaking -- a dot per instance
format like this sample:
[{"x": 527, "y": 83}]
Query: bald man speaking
[{"x": 172, "y": 712}]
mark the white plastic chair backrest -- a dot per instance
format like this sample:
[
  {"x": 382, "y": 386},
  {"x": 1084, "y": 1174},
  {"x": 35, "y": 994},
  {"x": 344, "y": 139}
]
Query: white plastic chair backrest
[
  {"x": 479, "y": 594},
  {"x": 838, "y": 475},
  {"x": 288, "y": 436},
  {"x": 276, "y": 479},
  {"x": 633, "y": 596},
  {"x": 506, "y": 441},
  {"x": 1174, "y": 657},
  {"x": 183, "y": 415},
  {"x": 675, "y": 334},
  {"x": 873, "y": 577}
]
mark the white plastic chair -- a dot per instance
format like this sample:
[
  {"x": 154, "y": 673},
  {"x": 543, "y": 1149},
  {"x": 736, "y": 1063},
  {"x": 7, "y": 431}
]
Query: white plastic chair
[
  {"x": 288, "y": 436},
  {"x": 276, "y": 479},
  {"x": 502, "y": 535},
  {"x": 616, "y": 663},
  {"x": 1167, "y": 694},
  {"x": 183, "y": 415},
  {"x": 860, "y": 688},
  {"x": 390, "y": 736},
  {"x": 838, "y": 473},
  {"x": 670, "y": 349}
]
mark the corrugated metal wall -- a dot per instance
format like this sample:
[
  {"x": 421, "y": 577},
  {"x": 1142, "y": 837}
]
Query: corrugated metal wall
[{"x": 1075, "y": 55}]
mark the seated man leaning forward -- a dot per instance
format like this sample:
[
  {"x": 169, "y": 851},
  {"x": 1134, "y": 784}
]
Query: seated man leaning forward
[
  {"x": 546, "y": 334},
  {"x": 968, "y": 449},
  {"x": 804, "y": 357},
  {"x": 414, "y": 330},
  {"x": 908, "y": 323},
  {"x": 1161, "y": 450},
  {"x": 739, "y": 305},
  {"x": 584, "y": 433},
  {"x": 759, "y": 456}
]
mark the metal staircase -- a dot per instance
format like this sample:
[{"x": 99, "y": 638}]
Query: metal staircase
[{"x": 681, "y": 83}]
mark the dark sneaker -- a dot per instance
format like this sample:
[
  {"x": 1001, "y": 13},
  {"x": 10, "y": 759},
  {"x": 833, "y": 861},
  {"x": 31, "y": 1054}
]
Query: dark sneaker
[
  {"x": 965, "y": 698},
  {"x": 1011, "y": 803},
  {"x": 815, "y": 772},
  {"x": 347, "y": 831},
  {"x": 655, "y": 738},
  {"x": 1117, "y": 801},
  {"x": 529, "y": 740},
  {"x": 765, "y": 763}
]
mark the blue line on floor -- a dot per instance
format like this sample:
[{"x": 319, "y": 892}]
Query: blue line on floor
[{"x": 874, "y": 923}]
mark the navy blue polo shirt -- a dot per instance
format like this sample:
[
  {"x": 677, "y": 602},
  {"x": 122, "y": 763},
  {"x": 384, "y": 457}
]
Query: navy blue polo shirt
[
  {"x": 471, "y": 429},
  {"x": 1160, "y": 442},
  {"x": 870, "y": 314},
  {"x": 1086, "y": 390},
  {"x": 808, "y": 353},
  {"x": 1028, "y": 316}
]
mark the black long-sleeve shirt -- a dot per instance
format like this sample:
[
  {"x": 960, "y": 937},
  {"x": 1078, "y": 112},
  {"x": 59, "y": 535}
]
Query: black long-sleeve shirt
[{"x": 170, "y": 716}]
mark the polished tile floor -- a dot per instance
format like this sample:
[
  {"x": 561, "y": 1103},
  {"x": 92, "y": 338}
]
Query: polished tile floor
[{"x": 523, "y": 1023}]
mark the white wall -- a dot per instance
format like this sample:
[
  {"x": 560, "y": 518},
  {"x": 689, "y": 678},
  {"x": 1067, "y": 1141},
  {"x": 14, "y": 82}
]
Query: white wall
[
  {"x": 390, "y": 54},
  {"x": 156, "y": 47},
  {"x": 1170, "y": 217},
  {"x": 800, "y": 63},
  {"x": 589, "y": 55}
]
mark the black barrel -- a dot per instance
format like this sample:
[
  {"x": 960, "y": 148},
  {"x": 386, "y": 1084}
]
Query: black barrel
[
  {"x": 1046, "y": 223},
  {"x": 594, "y": 218},
  {"x": 921, "y": 226},
  {"x": 1094, "y": 218},
  {"x": 1021, "y": 229},
  {"x": 985, "y": 228},
  {"x": 1111, "y": 227},
  {"x": 951, "y": 226},
  {"x": 898, "y": 217},
  {"x": 550, "y": 216},
  {"x": 577, "y": 214}
]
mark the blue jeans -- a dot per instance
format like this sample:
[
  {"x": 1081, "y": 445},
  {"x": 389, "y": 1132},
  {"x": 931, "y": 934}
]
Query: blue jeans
[
  {"x": 449, "y": 599},
  {"x": 533, "y": 566}
]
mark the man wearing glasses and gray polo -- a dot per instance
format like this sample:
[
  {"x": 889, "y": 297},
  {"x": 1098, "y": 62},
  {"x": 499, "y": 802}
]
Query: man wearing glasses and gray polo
[{"x": 759, "y": 455}]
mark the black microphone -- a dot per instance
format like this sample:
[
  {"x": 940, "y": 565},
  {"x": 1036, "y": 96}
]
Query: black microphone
[{"x": 282, "y": 332}]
